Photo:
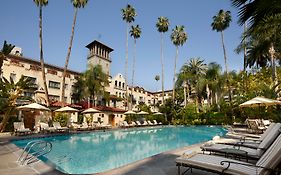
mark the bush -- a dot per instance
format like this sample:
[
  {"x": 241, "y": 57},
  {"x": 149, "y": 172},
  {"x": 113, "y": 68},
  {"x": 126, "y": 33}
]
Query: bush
[{"x": 61, "y": 118}]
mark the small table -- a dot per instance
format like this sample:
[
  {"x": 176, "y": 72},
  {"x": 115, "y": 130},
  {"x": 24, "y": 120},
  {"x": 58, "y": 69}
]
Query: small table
[{"x": 235, "y": 153}]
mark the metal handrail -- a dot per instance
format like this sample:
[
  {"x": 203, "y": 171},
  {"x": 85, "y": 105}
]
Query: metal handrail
[{"x": 27, "y": 156}]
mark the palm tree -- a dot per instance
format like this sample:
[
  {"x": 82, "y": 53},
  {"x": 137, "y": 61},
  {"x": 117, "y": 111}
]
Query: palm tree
[
  {"x": 128, "y": 15},
  {"x": 10, "y": 92},
  {"x": 77, "y": 4},
  {"x": 162, "y": 27},
  {"x": 178, "y": 37},
  {"x": 135, "y": 33},
  {"x": 193, "y": 72},
  {"x": 95, "y": 81},
  {"x": 40, "y": 4},
  {"x": 221, "y": 22},
  {"x": 6, "y": 50},
  {"x": 213, "y": 77}
]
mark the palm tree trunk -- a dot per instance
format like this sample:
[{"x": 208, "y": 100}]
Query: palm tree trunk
[
  {"x": 5, "y": 119},
  {"x": 41, "y": 57},
  {"x": 272, "y": 58},
  {"x": 174, "y": 78},
  {"x": 67, "y": 57},
  {"x": 126, "y": 64},
  {"x": 133, "y": 73},
  {"x": 162, "y": 64},
  {"x": 184, "y": 92},
  {"x": 227, "y": 78}
]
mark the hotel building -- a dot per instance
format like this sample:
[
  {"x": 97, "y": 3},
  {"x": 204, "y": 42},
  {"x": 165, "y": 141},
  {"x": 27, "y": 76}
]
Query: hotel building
[{"x": 99, "y": 54}]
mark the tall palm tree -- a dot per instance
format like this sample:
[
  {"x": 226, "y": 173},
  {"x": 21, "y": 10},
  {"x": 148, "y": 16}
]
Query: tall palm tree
[
  {"x": 128, "y": 15},
  {"x": 77, "y": 4},
  {"x": 10, "y": 92},
  {"x": 162, "y": 27},
  {"x": 213, "y": 77},
  {"x": 5, "y": 51},
  {"x": 178, "y": 37},
  {"x": 221, "y": 22},
  {"x": 135, "y": 32},
  {"x": 40, "y": 4}
]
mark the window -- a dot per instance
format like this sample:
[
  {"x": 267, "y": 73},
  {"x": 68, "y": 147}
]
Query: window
[
  {"x": 119, "y": 84},
  {"x": 53, "y": 84},
  {"x": 66, "y": 86},
  {"x": 28, "y": 94},
  {"x": 123, "y": 85},
  {"x": 13, "y": 76},
  {"x": 31, "y": 79},
  {"x": 54, "y": 98},
  {"x": 115, "y": 82},
  {"x": 119, "y": 94}
]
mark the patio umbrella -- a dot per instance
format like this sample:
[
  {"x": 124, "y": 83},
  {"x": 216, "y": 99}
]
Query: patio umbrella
[
  {"x": 260, "y": 101},
  {"x": 129, "y": 112},
  {"x": 158, "y": 113},
  {"x": 90, "y": 110},
  {"x": 66, "y": 109},
  {"x": 142, "y": 113},
  {"x": 33, "y": 106}
]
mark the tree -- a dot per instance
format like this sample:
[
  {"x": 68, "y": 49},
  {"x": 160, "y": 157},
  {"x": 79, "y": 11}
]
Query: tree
[
  {"x": 95, "y": 81},
  {"x": 128, "y": 15},
  {"x": 178, "y": 37},
  {"x": 162, "y": 27},
  {"x": 10, "y": 92},
  {"x": 193, "y": 72},
  {"x": 221, "y": 22},
  {"x": 40, "y": 4},
  {"x": 77, "y": 4},
  {"x": 6, "y": 50},
  {"x": 135, "y": 33}
]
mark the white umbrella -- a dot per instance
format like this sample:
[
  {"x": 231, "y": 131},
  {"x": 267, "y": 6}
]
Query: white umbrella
[
  {"x": 129, "y": 112},
  {"x": 33, "y": 106},
  {"x": 66, "y": 109},
  {"x": 260, "y": 101},
  {"x": 158, "y": 113},
  {"x": 90, "y": 110},
  {"x": 142, "y": 113}
]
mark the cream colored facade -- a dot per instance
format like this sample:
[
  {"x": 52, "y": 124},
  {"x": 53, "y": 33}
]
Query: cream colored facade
[{"x": 16, "y": 66}]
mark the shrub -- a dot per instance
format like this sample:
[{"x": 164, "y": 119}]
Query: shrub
[{"x": 61, "y": 118}]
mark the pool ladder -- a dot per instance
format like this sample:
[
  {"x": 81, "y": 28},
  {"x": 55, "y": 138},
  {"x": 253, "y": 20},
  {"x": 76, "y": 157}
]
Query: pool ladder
[{"x": 34, "y": 149}]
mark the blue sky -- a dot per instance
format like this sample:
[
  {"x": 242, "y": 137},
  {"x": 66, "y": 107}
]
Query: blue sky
[{"x": 101, "y": 20}]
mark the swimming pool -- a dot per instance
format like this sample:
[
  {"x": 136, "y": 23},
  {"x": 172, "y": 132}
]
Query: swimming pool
[{"x": 101, "y": 151}]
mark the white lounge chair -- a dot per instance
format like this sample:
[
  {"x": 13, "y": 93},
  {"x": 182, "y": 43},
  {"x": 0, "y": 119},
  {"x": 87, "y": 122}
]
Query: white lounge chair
[
  {"x": 138, "y": 123},
  {"x": 132, "y": 124},
  {"x": 59, "y": 127},
  {"x": 156, "y": 123},
  {"x": 249, "y": 142},
  {"x": 125, "y": 124},
  {"x": 267, "y": 163},
  {"x": 46, "y": 128},
  {"x": 150, "y": 123},
  {"x": 145, "y": 123},
  {"x": 254, "y": 126},
  {"x": 20, "y": 129},
  {"x": 246, "y": 151}
]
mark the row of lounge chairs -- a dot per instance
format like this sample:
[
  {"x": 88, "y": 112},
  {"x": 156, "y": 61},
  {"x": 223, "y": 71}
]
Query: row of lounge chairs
[
  {"x": 264, "y": 153},
  {"x": 19, "y": 128},
  {"x": 125, "y": 124}
]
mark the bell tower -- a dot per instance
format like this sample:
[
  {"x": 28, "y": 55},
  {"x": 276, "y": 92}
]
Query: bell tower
[{"x": 99, "y": 54}]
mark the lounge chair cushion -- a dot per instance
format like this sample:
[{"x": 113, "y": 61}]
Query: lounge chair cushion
[
  {"x": 267, "y": 141},
  {"x": 271, "y": 158},
  {"x": 213, "y": 163}
]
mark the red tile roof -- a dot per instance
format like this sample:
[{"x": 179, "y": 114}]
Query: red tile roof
[{"x": 59, "y": 104}]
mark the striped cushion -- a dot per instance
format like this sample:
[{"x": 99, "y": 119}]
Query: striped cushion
[{"x": 267, "y": 141}]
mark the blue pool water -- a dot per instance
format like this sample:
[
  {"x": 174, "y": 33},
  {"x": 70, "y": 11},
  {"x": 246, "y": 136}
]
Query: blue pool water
[{"x": 100, "y": 151}]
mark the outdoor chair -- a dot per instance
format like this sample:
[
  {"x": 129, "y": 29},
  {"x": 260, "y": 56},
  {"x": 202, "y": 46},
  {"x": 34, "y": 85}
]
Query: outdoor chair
[
  {"x": 150, "y": 123},
  {"x": 145, "y": 123},
  {"x": 249, "y": 142},
  {"x": 267, "y": 164},
  {"x": 20, "y": 129},
  {"x": 254, "y": 126},
  {"x": 125, "y": 124},
  {"x": 132, "y": 124},
  {"x": 240, "y": 150},
  {"x": 46, "y": 128},
  {"x": 60, "y": 128},
  {"x": 138, "y": 123}
]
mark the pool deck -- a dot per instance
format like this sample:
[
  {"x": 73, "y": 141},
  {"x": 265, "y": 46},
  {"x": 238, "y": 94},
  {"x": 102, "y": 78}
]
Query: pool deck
[{"x": 160, "y": 164}]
